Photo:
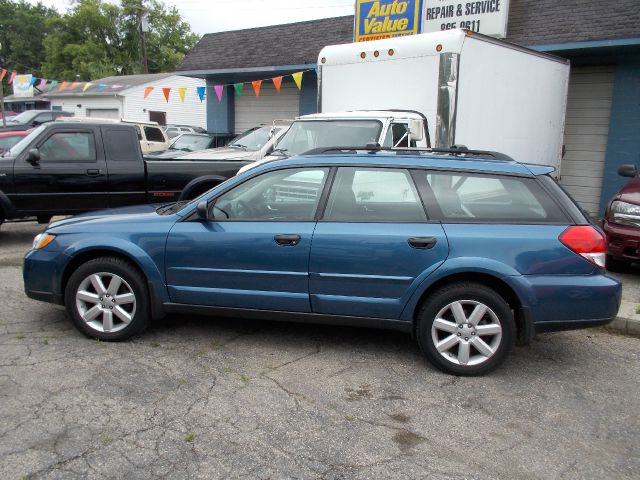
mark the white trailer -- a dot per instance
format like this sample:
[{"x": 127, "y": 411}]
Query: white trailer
[{"x": 473, "y": 90}]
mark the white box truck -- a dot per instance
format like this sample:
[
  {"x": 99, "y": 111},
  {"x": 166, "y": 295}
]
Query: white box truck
[{"x": 473, "y": 90}]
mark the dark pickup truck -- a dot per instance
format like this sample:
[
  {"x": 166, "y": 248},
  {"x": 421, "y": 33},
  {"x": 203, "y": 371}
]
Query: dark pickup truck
[{"x": 66, "y": 168}]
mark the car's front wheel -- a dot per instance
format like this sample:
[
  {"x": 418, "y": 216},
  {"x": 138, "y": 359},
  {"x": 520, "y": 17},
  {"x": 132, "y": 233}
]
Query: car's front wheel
[
  {"x": 465, "y": 329},
  {"x": 107, "y": 299}
]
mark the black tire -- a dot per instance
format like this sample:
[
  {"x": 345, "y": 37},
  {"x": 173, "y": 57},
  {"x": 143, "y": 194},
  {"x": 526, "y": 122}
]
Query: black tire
[
  {"x": 614, "y": 264},
  {"x": 133, "y": 282},
  {"x": 471, "y": 295}
]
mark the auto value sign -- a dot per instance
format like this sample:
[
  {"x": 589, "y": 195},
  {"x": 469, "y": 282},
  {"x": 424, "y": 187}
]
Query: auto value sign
[
  {"x": 488, "y": 16},
  {"x": 377, "y": 19}
]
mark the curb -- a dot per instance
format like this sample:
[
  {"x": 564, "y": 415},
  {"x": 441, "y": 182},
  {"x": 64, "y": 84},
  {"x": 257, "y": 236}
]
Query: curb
[{"x": 627, "y": 321}]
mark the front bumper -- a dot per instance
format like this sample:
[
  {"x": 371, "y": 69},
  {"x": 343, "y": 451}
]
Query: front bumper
[
  {"x": 623, "y": 241},
  {"x": 42, "y": 272}
]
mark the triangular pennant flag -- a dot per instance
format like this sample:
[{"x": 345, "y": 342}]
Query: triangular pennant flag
[
  {"x": 62, "y": 86},
  {"x": 42, "y": 84},
  {"x": 101, "y": 87},
  {"x": 3, "y": 72},
  {"x": 12, "y": 78},
  {"x": 182, "y": 91},
  {"x": 256, "y": 87},
  {"x": 238, "y": 88},
  {"x": 297, "y": 77},
  {"x": 53, "y": 84},
  {"x": 33, "y": 81},
  {"x": 277, "y": 81},
  {"x": 87, "y": 86},
  {"x": 201, "y": 92},
  {"x": 147, "y": 91},
  {"x": 166, "y": 91},
  {"x": 218, "y": 89},
  {"x": 74, "y": 85}
]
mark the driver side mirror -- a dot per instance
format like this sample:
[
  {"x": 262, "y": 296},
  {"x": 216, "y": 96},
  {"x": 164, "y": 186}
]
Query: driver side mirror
[
  {"x": 33, "y": 157},
  {"x": 416, "y": 131},
  {"x": 202, "y": 210}
]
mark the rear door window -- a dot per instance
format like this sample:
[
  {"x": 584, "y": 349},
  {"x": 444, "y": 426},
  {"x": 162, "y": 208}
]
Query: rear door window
[
  {"x": 474, "y": 197},
  {"x": 374, "y": 195}
]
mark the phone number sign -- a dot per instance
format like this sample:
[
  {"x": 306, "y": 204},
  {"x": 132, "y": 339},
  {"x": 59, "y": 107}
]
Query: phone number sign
[{"x": 487, "y": 16}]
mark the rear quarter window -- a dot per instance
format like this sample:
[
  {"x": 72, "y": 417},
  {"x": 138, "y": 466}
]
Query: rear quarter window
[{"x": 473, "y": 197}]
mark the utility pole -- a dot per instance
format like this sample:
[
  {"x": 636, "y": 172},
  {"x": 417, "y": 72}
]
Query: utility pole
[
  {"x": 4, "y": 120},
  {"x": 143, "y": 26}
]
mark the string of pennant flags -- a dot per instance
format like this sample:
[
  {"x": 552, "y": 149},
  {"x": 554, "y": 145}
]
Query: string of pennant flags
[
  {"x": 237, "y": 87},
  {"x": 45, "y": 85}
]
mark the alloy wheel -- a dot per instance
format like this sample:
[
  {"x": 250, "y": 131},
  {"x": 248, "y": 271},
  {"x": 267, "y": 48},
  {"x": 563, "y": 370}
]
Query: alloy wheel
[
  {"x": 466, "y": 332},
  {"x": 105, "y": 302}
]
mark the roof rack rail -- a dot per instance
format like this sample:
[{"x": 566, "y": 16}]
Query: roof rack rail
[{"x": 456, "y": 150}]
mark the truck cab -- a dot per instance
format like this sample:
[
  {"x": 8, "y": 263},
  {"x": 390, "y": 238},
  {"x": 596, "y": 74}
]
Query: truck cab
[{"x": 356, "y": 129}]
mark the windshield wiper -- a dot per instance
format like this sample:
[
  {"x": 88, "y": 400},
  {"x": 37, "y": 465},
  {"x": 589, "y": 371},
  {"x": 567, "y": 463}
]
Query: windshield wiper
[
  {"x": 171, "y": 207},
  {"x": 239, "y": 146},
  {"x": 281, "y": 151}
]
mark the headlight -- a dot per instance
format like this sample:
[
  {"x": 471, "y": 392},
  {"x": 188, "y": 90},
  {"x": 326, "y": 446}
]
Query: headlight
[
  {"x": 42, "y": 240},
  {"x": 624, "y": 213}
]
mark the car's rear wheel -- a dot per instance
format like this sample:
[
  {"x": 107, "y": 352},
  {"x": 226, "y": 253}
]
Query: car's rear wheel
[
  {"x": 107, "y": 299},
  {"x": 465, "y": 329}
]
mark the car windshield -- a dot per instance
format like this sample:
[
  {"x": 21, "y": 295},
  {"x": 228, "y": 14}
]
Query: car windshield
[
  {"x": 191, "y": 143},
  {"x": 253, "y": 139},
  {"x": 19, "y": 147},
  {"x": 310, "y": 134},
  {"x": 23, "y": 118}
]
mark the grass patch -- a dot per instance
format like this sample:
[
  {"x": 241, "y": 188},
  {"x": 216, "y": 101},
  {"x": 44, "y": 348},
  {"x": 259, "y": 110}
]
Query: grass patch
[
  {"x": 190, "y": 437},
  {"x": 106, "y": 440},
  {"x": 20, "y": 337},
  {"x": 45, "y": 341},
  {"x": 638, "y": 309},
  {"x": 246, "y": 379},
  {"x": 349, "y": 418}
]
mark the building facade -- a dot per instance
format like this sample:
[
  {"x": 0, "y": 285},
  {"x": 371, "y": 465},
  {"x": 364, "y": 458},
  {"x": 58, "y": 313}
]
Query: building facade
[
  {"x": 127, "y": 100},
  {"x": 602, "y": 42}
]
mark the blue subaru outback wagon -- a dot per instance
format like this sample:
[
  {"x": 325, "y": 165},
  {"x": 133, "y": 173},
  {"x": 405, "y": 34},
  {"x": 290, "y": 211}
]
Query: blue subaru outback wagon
[{"x": 468, "y": 252}]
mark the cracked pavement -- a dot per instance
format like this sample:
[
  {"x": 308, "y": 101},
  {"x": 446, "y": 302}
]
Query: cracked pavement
[{"x": 198, "y": 397}]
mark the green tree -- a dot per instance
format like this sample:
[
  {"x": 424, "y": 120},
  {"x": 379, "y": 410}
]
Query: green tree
[
  {"x": 23, "y": 28},
  {"x": 97, "y": 39}
]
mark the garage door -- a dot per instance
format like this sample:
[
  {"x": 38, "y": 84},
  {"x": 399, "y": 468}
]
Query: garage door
[
  {"x": 103, "y": 113},
  {"x": 269, "y": 106},
  {"x": 586, "y": 132}
]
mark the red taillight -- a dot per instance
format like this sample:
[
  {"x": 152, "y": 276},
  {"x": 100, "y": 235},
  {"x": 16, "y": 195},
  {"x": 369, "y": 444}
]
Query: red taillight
[{"x": 587, "y": 242}]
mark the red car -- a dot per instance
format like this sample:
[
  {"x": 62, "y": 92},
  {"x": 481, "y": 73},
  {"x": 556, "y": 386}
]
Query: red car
[
  {"x": 9, "y": 139},
  {"x": 622, "y": 222}
]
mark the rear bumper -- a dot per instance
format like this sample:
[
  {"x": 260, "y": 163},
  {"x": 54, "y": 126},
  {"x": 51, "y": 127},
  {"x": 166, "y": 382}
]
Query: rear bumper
[
  {"x": 622, "y": 242},
  {"x": 567, "y": 302}
]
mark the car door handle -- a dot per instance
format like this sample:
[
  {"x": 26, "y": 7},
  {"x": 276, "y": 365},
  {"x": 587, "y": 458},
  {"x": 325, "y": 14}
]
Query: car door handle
[
  {"x": 287, "y": 239},
  {"x": 422, "y": 242},
  {"x": 93, "y": 172}
]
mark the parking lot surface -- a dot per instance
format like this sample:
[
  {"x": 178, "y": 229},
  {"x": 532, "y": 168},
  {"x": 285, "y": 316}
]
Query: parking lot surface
[{"x": 198, "y": 397}]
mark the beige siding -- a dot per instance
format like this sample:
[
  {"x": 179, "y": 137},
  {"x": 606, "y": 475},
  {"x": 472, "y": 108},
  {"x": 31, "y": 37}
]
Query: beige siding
[
  {"x": 269, "y": 106},
  {"x": 586, "y": 131}
]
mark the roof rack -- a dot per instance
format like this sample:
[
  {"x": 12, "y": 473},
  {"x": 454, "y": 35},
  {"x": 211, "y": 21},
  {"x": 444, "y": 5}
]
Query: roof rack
[{"x": 456, "y": 150}]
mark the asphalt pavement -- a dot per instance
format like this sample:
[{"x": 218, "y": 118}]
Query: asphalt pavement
[{"x": 198, "y": 397}]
